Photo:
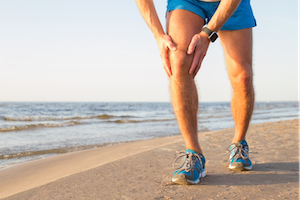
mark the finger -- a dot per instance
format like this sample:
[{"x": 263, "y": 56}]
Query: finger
[
  {"x": 195, "y": 62},
  {"x": 167, "y": 69},
  {"x": 172, "y": 47},
  {"x": 198, "y": 67},
  {"x": 192, "y": 46},
  {"x": 196, "y": 71},
  {"x": 166, "y": 62},
  {"x": 167, "y": 72}
]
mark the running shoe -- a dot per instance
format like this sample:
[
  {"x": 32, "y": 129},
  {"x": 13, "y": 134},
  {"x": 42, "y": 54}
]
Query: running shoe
[
  {"x": 239, "y": 156},
  {"x": 192, "y": 169}
]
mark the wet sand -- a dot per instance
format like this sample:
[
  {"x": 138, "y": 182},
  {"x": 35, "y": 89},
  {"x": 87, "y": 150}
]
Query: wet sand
[{"x": 142, "y": 169}]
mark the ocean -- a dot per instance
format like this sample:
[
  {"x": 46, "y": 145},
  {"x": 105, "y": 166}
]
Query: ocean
[{"x": 35, "y": 130}]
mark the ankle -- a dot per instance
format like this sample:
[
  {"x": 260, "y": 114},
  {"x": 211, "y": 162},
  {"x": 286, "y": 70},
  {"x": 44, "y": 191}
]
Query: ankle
[
  {"x": 236, "y": 140},
  {"x": 197, "y": 150}
]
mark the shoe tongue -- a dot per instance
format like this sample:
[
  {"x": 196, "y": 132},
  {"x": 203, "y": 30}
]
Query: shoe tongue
[
  {"x": 190, "y": 151},
  {"x": 243, "y": 142}
]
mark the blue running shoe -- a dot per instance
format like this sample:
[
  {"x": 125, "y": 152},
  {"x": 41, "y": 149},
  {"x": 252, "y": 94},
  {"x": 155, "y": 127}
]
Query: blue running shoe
[
  {"x": 239, "y": 156},
  {"x": 192, "y": 169}
]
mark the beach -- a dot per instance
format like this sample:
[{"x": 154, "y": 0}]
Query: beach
[
  {"x": 35, "y": 130},
  {"x": 142, "y": 169}
]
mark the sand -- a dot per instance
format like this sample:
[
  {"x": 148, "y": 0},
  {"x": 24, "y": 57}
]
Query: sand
[{"x": 142, "y": 169}]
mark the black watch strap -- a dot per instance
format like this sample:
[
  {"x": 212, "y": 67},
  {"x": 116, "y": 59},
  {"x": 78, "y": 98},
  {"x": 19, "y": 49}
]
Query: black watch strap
[{"x": 212, "y": 36}]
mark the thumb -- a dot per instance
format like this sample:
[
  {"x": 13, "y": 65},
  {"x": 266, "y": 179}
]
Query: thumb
[{"x": 172, "y": 46}]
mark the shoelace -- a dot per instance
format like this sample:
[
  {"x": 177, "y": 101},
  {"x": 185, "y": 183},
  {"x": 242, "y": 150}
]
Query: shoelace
[
  {"x": 239, "y": 151},
  {"x": 188, "y": 163}
]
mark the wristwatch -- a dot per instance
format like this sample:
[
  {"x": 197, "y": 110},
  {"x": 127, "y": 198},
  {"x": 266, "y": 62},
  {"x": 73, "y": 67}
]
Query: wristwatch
[{"x": 212, "y": 35}]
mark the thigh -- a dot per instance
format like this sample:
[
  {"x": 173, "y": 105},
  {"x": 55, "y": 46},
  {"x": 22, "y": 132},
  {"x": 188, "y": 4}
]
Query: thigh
[
  {"x": 182, "y": 25},
  {"x": 237, "y": 45}
]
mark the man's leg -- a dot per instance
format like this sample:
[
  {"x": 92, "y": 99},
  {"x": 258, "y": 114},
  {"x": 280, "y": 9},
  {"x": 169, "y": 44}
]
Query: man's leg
[
  {"x": 238, "y": 54},
  {"x": 182, "y": 25}
]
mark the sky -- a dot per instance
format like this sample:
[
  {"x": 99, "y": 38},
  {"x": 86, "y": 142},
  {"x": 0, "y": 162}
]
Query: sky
[{"x": 103, "y": 51}]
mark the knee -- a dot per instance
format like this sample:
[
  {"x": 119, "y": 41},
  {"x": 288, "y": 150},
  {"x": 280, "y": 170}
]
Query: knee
[
  {"x": 242, "y": 79},
  {"x": 180, "y": 64}
]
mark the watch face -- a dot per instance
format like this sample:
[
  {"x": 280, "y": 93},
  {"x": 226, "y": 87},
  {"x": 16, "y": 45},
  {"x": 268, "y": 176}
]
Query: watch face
[{"x": 213, "y": 37}]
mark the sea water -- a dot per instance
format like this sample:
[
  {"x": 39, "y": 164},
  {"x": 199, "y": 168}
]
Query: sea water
[{"x": 36, "y": 130}]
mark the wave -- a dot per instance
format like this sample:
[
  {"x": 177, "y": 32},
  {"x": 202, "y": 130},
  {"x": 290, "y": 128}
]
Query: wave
[
  {"x": 34, "y": 126},
  {"x": 28, "y": 153},
  {"x": 41, "y": 152},
  {"x": 120, "y": 121},
  {"x": 215, "y": 116},
  {"x": 39, "y": 118},
  {"x": 74, "y": 123}
]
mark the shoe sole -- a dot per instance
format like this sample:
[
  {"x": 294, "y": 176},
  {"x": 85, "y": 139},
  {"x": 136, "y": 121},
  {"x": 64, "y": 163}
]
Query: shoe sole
[
  {"x": 181, "y": 180},
  {"x": 240, "y": 167}
]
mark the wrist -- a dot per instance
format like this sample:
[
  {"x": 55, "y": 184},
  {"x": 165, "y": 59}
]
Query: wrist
[
  {"x": 202, "y": 34},
  {"x": 211, "y": 35},
  {"x": 159, "y": 35}
]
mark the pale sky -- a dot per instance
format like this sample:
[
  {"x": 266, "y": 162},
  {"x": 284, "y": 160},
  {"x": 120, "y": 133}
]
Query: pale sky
[{"x": 94, "y": 50}]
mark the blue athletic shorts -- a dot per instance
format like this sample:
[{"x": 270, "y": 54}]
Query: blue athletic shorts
[{"x": 241, "y": 18}]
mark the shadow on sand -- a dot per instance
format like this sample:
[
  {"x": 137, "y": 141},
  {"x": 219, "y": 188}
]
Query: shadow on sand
[{"x": 261, "y": 174}]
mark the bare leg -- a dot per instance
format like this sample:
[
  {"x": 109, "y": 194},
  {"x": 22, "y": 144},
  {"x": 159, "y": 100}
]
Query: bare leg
[
  {"x": 238, "y": 54},
  {"x": 182, "y": 25}
]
